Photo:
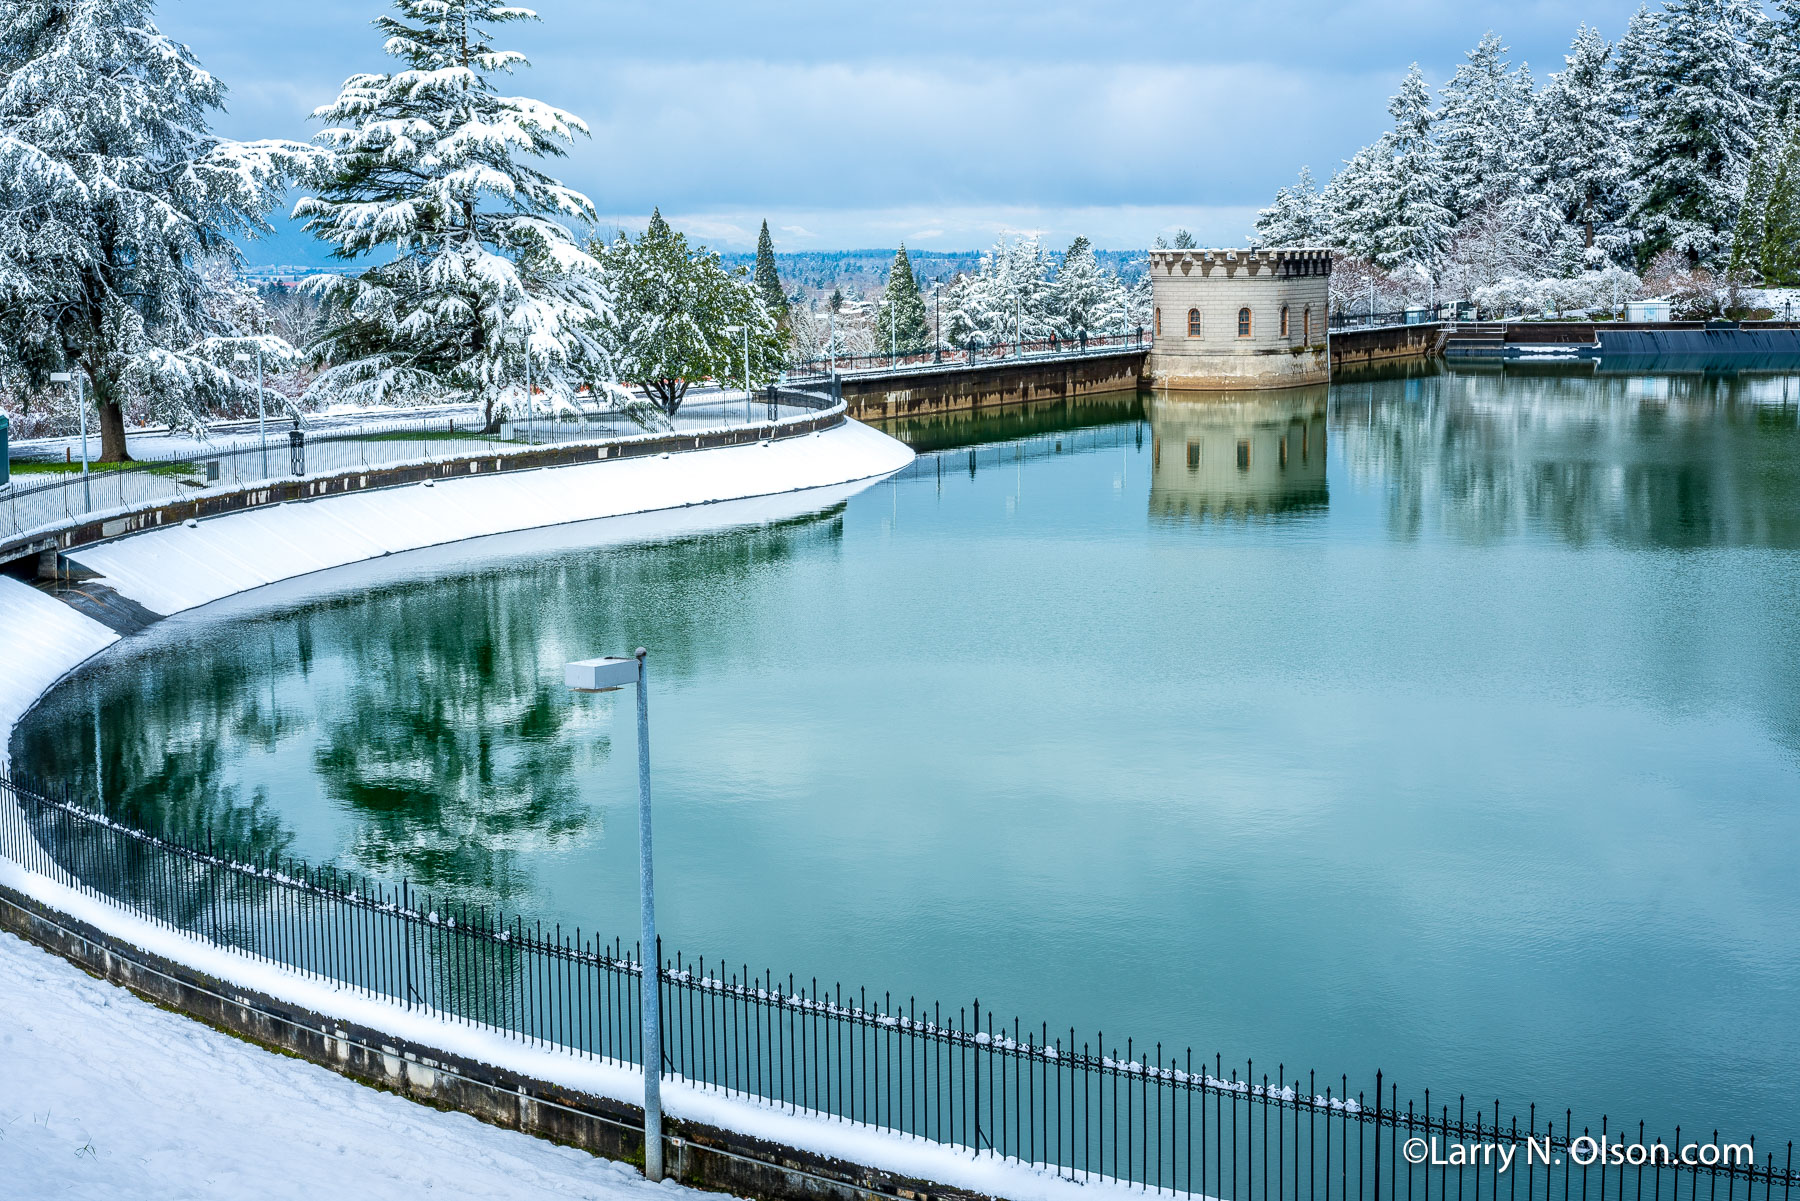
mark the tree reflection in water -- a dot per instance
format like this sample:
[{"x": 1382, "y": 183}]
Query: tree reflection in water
[
  {"x": 431, "y": 714},
  {"x": 1489, "y": 453}
]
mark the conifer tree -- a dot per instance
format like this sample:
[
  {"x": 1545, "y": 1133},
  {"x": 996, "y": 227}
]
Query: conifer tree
[
  {"x": 1297, "y": 218},
  {"x": 1583, "y": 159},
  {"x": 1780, "y": 260},
  {"x": 1481, "y": 130},
  {"x": 672, "y": 317},
  {"x": 1699, "y": 119},
  {"x": 900, "y": 321},
  {"x": 434, "y": 169},
  {"x": 115, "y": 200},
  {"x": 1356, "y": 200},
  {"x": 1084, "y": 297},
  {"x": 1783, "y": 54},
  {"x": 1767, "y": 239},
  {"x": 768, "y": 280},
  {"x": 1414, "y": 221}
]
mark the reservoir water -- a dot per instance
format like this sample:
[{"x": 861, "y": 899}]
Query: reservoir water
[{"x": 1447, "y": 724}]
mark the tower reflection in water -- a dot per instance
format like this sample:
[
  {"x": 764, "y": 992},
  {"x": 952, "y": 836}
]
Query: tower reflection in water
[{"x": 1237, "y": 454}]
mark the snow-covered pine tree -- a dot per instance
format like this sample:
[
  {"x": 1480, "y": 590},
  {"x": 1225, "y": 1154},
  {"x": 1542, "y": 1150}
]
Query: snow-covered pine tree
[
  {"x": 1780, "y": 261},
  {"x": 433, "y": 168},
  {"x": 1297, "y": 218},
  {"x": 673, "y": 310},
  {"x": 1583, "y": 161},
  {"x": 1357, "y": 198},
  {"x": 1480, "y": 131},
  {"x": 1783, "y": 58},
  {"x": 768, "y": 280},
  {"x": 1085, "y": 298},
  {"x": 1766, "y": 241},
  {"x": 1413, "y": 222},
  {"x": 900, "y": 322},
  {"x": 1006, "y": 297},
  {"x": 1699, "y": 118},
  {"x": 114, "y": 198},
  {"x": 1184, "y": 240}
]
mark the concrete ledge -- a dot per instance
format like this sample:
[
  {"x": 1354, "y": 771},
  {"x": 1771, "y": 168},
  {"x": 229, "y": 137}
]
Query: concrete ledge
[
  {"x": 107, "y": 526},
  {"x": 699, "y": 1155}
]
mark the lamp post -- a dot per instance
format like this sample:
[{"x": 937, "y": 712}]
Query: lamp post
[
  {"x": 262, "y": 433},
  {"x": 610, "y": 675},
  {"x": 74, "y": 377}
]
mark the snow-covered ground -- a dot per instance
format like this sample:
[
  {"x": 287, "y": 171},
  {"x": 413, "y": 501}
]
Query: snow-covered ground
[
  {"x": 175, "y": 568},
  {"x": 107, "y": 1097},
  {"x": 704, "y": 407}
]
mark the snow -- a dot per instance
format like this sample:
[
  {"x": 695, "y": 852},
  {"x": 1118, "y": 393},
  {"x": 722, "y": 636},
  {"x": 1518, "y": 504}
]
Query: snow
[
  {"x": 915, "y": 1157},
  {"x": 108, "y": 1097},
  {"x": 41, "y": 640},
  {"x": 176, "y": 568}
]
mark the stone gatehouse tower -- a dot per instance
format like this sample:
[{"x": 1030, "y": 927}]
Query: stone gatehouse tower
[{"x": 1239, "y": 318}]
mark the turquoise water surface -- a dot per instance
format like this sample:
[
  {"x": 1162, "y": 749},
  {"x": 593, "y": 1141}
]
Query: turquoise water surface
[{"x": 1445, "y": 724}]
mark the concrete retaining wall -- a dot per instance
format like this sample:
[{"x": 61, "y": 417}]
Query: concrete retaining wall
[
  {"x": 698, "y": 1155},
  {"x": 955, "y": 389},
  {"x": 1358, "y": 347}
]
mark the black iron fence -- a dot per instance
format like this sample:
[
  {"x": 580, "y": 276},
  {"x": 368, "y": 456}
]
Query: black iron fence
[
  {"x": 976, "y": 352},
  {"x": 1142, "y": 1114}
]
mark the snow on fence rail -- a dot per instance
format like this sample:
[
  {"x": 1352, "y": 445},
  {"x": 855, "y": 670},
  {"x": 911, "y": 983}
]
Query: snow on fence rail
[
  {"x": 47, "y": 501},
  {"x": 1082, "y": 1109}
]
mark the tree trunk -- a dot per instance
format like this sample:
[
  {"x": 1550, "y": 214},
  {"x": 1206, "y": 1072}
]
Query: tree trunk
[{"x": 112, "y": 433}]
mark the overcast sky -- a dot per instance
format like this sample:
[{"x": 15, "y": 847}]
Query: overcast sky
[{"x": 940, "y": 122}]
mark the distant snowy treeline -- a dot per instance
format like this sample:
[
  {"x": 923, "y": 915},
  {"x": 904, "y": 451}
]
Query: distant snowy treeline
[
  {"x": 1017, "y": 290},
  {"x": 1673, "y": 152}
]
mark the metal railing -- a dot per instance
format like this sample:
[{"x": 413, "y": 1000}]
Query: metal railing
[
  {"x": 1084, "y": 1109},
  {"x": 42, "y": 500},
  {"x": 976, "y": 353},
  {"x": 1366, "y": 319}
]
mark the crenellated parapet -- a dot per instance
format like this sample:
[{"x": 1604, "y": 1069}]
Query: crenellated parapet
[{"x": 1267, "y": 262}]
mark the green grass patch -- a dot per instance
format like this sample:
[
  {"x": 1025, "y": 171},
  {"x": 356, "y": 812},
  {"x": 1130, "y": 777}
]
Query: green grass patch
[{"x": 37, "y": 467}]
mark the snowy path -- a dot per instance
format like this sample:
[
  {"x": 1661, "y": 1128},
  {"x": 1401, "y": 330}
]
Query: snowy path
[{"x": 105, "y": 1096}]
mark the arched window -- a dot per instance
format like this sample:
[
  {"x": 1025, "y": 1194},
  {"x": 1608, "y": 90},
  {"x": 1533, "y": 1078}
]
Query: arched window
[
  {"x": 1244, "y": 322},
  {"x": 1193, "y": 323},
  {"x": 1157, "y": 315},
  {"x": 1284, "y": 321},
  {"x": 1306, "y": 323}
]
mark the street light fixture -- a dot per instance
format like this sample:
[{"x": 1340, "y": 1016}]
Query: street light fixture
[
  {"x": 262, "y": 432},
  {"x": 74, "y": 377},
  {"x": 610, "y": 675}
]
